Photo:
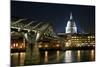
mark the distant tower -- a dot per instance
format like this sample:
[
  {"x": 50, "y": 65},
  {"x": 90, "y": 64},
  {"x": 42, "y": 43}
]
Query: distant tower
[{"x": 71, "y": 26}]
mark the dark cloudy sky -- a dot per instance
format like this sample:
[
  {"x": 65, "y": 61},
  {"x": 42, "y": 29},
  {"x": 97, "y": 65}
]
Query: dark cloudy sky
[{"x": 57, "y": 14}]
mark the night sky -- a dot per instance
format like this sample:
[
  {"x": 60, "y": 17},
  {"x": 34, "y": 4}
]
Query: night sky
[{"x": 57, "y": 14}]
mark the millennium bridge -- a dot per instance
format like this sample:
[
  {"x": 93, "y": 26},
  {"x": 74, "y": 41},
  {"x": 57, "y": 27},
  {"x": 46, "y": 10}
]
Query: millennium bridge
[{"x": 32, "y": 31}]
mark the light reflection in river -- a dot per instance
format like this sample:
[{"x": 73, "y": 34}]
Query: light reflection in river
[
  {"x": 56, "y": 56},
  {"x": 78, "y": 55},
  {"x": 46, "y": 57},
  {"x": 22, "y": 58},
  {"x": 92, "y": 54},
  {"x": 68, "y": 56}
]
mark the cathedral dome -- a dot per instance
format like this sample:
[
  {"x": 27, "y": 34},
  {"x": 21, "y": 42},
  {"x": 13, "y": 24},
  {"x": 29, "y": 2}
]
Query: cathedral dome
[
  {"x": 71, "y": 23},
  {"x": 71, "y": 26}
]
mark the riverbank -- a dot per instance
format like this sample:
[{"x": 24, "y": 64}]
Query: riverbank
[{"x": 54, "y": 49}]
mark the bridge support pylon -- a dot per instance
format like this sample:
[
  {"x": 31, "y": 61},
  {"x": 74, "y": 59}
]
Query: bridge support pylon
[{"x": 32, "y": 52}]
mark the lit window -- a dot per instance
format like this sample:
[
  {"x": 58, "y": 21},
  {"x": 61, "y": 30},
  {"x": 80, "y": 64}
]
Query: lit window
[
  {"x": 46, "y": 45},
  {"x": 57, "y": 45},
  {"x": 16, "y": 44}
]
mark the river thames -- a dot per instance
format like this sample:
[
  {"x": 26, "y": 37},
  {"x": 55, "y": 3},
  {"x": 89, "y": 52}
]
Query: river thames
[{"x": 51, "y": 57}]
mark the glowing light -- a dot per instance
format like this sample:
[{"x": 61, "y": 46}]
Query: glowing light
[
  {"x": 58, "y": 56},
  {"x": 78, "y": 45},
  {"x": 67, "y": 44},
  {"x": 22, "y": 58},
  {"x": 40, "y": 46},
  {"x": 92, "y": 54},
  {"x": 46, "y": 45},
  {"x": 71, "y": 26},
  {"x": 16, "y": 44},
  {"x": 57, "y": 45},
  {"x": 68, "y": 56},
  {"x": 46, "y": 56},
  {"x": 72, "y": 37},
  {"x": 88, "y": 45},
  {"x": 78, "y": 55},
  {"x": 58, "y": 52}
]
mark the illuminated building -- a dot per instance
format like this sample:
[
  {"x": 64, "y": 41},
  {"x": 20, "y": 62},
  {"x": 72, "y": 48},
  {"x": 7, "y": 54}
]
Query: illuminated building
[
  {"x": 71, "y": 26},
  {"x": 17, "y": 41},
  {"x": 78, "y": 40}
]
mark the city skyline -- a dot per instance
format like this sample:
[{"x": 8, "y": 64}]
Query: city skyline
[
  {"x": 58, "y": 15},
  {"x": 49, "y": 33}
]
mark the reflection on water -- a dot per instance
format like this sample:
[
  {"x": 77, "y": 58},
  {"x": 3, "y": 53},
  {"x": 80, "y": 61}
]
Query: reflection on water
[
  {"x": 22, "y": 58},
  {"x": 68, "y": 56},
  {"x": 56, "y": 56},
  {"x": 78, "y": 55},
  {"x": 46, "y": 57},
  {"x": 18, "y": 58},
  {"x": 92, "y": 55}
]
